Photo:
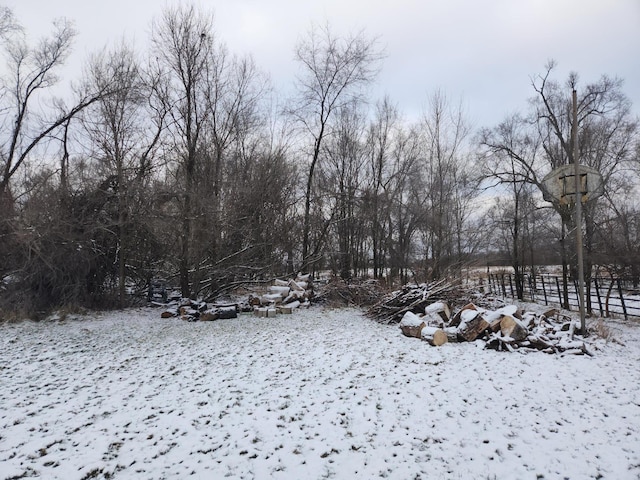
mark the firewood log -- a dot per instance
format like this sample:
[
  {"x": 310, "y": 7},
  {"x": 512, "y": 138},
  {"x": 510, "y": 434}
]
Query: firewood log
[
  {"x": 452, "y": 334},
  {"x": 434, "y": 336},
  {"x": 433, "y": 320},
  {"x": 439, "y": 308},
  {"x": 294, "y": 304},
  {"x": 494, "y": 323},
  {"x": 472, "y": 325},
  {"x": 411, "y": 325},
  {"x": 297, "y": 286},
  {"x": 281, "y": 290},
  {"x": 512, "y": 327},
  {"x": 455, "y": 321}
]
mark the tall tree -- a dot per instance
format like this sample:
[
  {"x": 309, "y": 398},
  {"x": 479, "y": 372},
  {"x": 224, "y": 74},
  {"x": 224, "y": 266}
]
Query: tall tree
[
  {"x": 233, "y": 131},
  {"x": 381, "y": 135},
  {"x": 30, "y": 118},
  {"x": 334, "y": 71},
  {"x": 405, "y": 199},
  {"x": 346, "y": 156},
  {"x": 183, "y": 43},
  {"x": 445, "y": 131},
  {"x": 123, "y": 132}
]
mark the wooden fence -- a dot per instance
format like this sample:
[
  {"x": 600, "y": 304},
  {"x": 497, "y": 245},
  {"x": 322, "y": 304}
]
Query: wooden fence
[{"x": 606, "y": 297}]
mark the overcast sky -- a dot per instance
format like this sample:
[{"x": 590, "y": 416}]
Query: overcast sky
[{"x": 484, "y": 52}]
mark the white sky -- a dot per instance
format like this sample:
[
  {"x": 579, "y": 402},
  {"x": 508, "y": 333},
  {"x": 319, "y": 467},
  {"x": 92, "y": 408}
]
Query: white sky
[{"x": 481, "y": 51}]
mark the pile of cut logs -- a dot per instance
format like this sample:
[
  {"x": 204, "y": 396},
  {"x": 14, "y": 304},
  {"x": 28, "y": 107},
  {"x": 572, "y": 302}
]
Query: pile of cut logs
[
  {"x": 283, "y": 296},
  {"x": 504, "y": 329},
  {"x": 191, "y": 310}
]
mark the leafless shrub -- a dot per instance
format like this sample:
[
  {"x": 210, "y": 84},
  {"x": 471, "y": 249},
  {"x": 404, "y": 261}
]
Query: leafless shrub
[{"x": 339, "y": 292}]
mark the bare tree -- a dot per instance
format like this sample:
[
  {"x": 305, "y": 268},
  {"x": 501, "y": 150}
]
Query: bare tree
[
  {"x": 445, "y": 131},
  {"x": 31, "y": 118},
  {"x": 8, "y": 23},
  {"x": 541, "y": 142},
  {"x": 214, "y": 103},
  {"x": 234, "y": 130},
  {"x": 334, "y": 71},
  {"x": 345, "y": 159},
  {"x": 405, "y": 199},
  {"x": 27, "y": 119},
  {"x": 380, "y": 138},
  {"x": 123, "y": 131},
  {"x": 510, "y": 167},
  {"x": 183, "y": 45}
]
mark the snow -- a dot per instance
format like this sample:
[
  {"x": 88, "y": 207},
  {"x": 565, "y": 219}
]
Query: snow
[
  {"x": 492, "y": 315},
  {"x": 317, "y": 394},
  {"x": 435, "y": 307},
  {"x": 410, "y": 319}
]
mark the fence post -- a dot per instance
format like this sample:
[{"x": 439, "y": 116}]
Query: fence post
[
  {"x": 532, "y": 287},
  {"x": 560, "y": 294},
  {"x": 544, "y": 290},
  {"x": 624, "y": 307},
  {"x": 597, "y": 285},
  {"x": 577, "y": 292},
  {"x": 511, "y": 286},
  {"x": 504, "y": 289}
]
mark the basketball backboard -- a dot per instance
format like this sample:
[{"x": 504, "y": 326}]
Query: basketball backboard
[{"x": 560, "y": 184}]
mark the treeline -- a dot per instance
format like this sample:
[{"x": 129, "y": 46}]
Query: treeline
[{"x": 181, "y": 162}]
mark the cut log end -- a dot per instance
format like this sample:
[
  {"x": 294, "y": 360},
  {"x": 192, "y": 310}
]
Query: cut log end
[
  {"x": 513, "y": 328},
  {"x": 434, "y": 336}
]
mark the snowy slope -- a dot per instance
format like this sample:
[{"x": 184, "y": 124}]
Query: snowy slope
[{"x": 317, "y": 394}]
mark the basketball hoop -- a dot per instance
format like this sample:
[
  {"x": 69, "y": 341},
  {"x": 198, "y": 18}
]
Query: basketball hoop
[{"x": 560, "y": 184}]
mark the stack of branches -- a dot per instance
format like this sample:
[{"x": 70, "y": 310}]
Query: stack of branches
[
  {"x": 340, "y": 292},
  {"x": 413, "y": 298}
]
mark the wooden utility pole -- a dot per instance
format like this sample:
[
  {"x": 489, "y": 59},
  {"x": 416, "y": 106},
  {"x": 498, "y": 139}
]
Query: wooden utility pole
[{"x": 578, "y": 210}]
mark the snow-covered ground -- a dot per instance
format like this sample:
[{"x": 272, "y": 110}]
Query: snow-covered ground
[{"x": 317, "y": 394}]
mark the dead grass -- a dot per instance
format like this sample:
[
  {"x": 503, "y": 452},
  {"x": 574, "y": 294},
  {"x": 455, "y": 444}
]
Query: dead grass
[
  {"x": 14, "y": 315},
  {"x": 600, "y": 329}
]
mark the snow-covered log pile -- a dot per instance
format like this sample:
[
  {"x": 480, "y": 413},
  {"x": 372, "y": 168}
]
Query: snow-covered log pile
[
  {"x": 411, "y": 298},
  {"x": 191, "y": 310},
  {"x": 504, "y": 329},
  {"x": 283, "y": 296}
]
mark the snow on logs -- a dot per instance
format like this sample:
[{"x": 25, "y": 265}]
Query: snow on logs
[
  {"x": 422, "y": 326},
  {"x": 192, "y": 310},
  {"x": 284, "y": 296},
  {"x": 504, "y": 329}
]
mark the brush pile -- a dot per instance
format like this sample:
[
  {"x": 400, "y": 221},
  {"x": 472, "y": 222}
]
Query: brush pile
[
  {"x": 412, "y": 298},
  {"x": 338, "y": 292}
]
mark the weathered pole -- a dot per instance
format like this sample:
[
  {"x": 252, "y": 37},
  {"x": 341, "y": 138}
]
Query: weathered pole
[{"x": 578, "y": 210}]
